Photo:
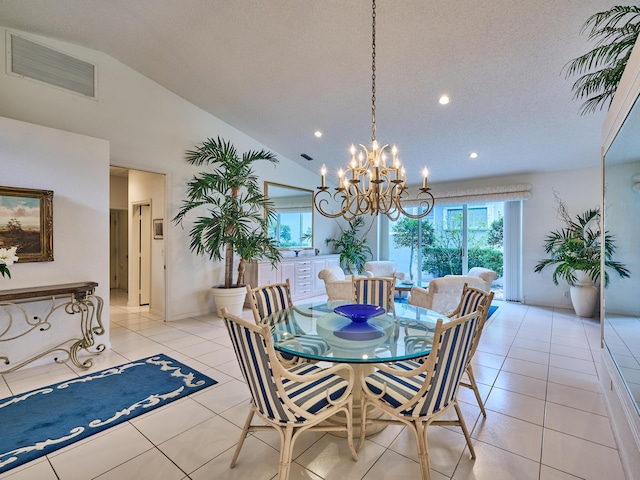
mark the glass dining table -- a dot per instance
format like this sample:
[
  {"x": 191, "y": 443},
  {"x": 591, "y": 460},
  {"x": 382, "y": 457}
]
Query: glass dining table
[
  {"x": 315, "y": 331},
  {"x": 325, "y": 332}
]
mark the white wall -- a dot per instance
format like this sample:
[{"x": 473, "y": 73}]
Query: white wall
[
  {"x": 148, "y": 128},
  {"x": 76, "y": 168},
  {"x": 579, "y": 189}
]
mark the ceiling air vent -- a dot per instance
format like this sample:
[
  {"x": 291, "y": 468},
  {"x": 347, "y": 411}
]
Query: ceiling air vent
[
  {"x": 306, "y": 157},
  {"x": 46, "y": 65}
]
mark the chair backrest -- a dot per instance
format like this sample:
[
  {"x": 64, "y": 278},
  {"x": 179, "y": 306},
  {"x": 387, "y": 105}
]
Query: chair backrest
[
  {"x": 446, "y": 363},
  {"x": 487, "y": 275},
  {"x": 444, "y": 292},
  {"x": 269, "y": 299},
  {"x": 258, "y": 362},
  {"x": 331, "y": 274},
  {"x": 374, "y": 291},
  {"x": 472, "y": 300},
  {"x": 380, "y": 268}
]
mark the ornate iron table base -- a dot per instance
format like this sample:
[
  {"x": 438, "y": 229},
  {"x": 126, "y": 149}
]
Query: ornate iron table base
[{"x": 78, "y": 300}]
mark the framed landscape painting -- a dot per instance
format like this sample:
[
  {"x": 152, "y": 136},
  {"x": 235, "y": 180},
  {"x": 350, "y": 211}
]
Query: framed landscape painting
[{"x": 26, "y": 222}]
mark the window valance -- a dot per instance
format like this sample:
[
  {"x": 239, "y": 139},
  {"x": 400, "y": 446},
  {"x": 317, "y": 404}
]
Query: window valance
[{"x": 500, "y": 193}]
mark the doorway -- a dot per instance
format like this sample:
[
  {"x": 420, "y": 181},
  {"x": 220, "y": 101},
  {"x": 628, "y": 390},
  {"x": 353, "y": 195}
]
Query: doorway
[
  {"x": 137, "y": 256},
  {"x": 141, "y": 226}
]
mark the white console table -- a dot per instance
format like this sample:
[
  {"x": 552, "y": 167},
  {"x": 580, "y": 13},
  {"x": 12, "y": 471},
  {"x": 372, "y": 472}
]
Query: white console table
[
  {"x": 76, "y": 299},
  {"x": 301, "y": 271}
]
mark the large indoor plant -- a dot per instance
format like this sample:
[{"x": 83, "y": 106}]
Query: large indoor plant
[
  {"x": 353, "y": 248},
  {"x": 236, "y": 215},
  {"x": 574, "y": 250},
  {"x": 616, "y": 31}
]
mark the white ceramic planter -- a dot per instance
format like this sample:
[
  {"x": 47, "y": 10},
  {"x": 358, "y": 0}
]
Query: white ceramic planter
[
  {"x": 230, "y": 298},
  {"x": 584, "y": 295}
]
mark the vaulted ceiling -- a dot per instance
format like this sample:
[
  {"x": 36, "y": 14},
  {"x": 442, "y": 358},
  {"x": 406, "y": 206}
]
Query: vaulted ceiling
[{"x": 281, "y": 69}]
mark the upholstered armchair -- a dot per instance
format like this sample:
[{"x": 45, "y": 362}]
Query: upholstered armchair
[
  {"x": 337, "y": 284},
  {"x": 383, "y": 268},
  {"x": 487, "y": 276},
  {"x": 443, "y": 294}
]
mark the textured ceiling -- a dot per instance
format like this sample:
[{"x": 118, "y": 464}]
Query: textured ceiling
[{"x": 281, "y": 69}]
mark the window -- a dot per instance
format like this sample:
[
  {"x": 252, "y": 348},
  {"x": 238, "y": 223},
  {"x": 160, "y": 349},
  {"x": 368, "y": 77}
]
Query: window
[{"x": 451, "y": 240}]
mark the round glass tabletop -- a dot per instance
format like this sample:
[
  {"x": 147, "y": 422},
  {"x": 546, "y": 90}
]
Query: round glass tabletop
[{"x": 316, "y": 332}]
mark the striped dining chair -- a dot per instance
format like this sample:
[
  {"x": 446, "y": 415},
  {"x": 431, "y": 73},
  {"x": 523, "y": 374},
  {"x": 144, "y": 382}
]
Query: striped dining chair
[
  {"x": 471, "y": 300},
  {"x": 417, "y": 394},
  {"x": 292, "y": 400},
  {"x": 374, "y": 291},
  {"x": 266, "y": 301}
]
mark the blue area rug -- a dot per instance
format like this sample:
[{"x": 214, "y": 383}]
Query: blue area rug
[
  {"x": 41, "y": 421},
  {"x": 492, "y": 310}
]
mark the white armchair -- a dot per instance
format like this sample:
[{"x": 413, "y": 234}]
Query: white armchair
[
  {"x": 382, "y": 269},
  {"x": 336, "y": 283},
  {"x": 487, "y": 276},
  {"x": 443, "y": 294}
]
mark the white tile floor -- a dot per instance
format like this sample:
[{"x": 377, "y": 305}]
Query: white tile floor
[{"x": 536, "y": 367}]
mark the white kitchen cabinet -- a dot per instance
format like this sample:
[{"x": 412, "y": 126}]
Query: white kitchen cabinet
[{"x": 302, "y": 273}]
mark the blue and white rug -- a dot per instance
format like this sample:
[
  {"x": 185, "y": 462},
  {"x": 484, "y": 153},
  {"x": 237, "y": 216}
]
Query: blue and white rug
[{"x": 41, "y": 421}]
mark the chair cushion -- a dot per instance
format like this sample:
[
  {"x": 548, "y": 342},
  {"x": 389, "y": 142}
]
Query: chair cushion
[
  {"x": 399, "y": 390},
  {"x": 312, "y": 397}
]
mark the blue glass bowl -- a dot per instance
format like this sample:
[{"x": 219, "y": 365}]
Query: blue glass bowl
[{"x": 359, "y": 312}]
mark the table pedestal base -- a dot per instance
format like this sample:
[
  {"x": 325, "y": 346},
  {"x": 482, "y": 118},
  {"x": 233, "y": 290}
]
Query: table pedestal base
[{"x": 340, "y": 418}]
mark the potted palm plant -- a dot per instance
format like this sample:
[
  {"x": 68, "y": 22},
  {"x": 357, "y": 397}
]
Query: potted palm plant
[
  {"x": 575, "y": 252},
  {"x": 236, "y": 215},
  {"x": 353, "y": 248}
]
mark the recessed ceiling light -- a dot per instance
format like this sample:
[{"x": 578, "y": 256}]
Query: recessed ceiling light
[
  {"x": 317, "y": 133},
  {"x": 473, "y": 155},
  {"x": 444, "y": 100}
]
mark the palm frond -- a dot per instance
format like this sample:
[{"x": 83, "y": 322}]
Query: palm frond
[{"x": 616, "y": 31}]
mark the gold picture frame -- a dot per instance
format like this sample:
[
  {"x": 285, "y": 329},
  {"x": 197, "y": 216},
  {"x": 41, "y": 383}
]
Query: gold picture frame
[{"x": 26, "y": 222}]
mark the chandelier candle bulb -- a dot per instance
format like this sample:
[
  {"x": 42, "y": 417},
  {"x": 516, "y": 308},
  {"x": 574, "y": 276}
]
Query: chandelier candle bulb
[
  {"x": 425, "y": 172},
  {"x": 323, "y": 171}
]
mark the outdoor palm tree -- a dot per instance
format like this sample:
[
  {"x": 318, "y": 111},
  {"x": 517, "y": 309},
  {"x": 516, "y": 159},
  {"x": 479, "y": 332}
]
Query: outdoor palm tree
[{"x": 616, "y": 31}]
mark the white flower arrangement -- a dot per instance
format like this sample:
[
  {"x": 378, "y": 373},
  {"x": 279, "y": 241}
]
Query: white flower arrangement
[{"x": 7, "y": 258}]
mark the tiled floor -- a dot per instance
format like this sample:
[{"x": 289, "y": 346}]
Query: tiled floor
[{"x": 536, "y": 367}]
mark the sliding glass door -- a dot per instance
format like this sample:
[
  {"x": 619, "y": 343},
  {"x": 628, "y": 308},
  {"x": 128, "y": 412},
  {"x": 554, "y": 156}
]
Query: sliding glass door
[{"x": 451, "y": 240}]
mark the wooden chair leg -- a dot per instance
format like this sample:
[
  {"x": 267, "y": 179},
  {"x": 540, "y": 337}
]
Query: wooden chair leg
[
  {"x": 474, "y": 387},
  {"x": 243, "y": 435},
  {"x": 463, "y": 425},
  {"x": 420, "y": 432},
  {"x": 286, "y": 452}
]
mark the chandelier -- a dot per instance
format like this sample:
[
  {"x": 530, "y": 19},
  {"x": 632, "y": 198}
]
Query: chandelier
[{"x": 371, "y": 184}]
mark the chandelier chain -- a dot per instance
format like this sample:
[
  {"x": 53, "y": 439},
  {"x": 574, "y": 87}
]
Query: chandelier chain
[
  {"x": 373, "y": 73},
  {"x": 370, "y": 185}
]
